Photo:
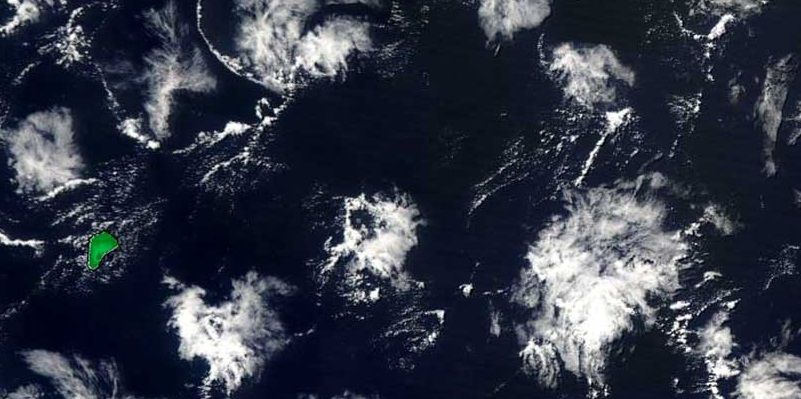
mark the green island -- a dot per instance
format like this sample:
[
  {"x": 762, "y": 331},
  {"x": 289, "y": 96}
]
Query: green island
[{"x": 100, "y": 245}]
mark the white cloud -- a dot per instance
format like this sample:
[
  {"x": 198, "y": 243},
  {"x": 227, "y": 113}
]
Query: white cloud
[
  {"x": 43, "y": 153},
  {"x": 235, "y": 337},
  {"x": 716, "y": 344},
  {"x": 25, "y": 12},
  {"x": 589, "y": 74},
  {"x": 75, "y": 377},
  {"x": 24, "y": 392},
  {"x": 171, "y": 68},
  {"x": 36, "y": 245},
  {"x": 741, "y": 7},
  {"x": 769, "y": 106},
  {"x": 501, "y": 19},
  {"x": 591, "y": 276},
  {"x": 377, "y": 234},
  {"x": 276, "y": 43},
  {"x": 776, "y": 375}
]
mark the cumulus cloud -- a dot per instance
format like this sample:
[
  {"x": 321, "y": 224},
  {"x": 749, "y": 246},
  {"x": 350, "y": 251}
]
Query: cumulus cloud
[
  {"x": 501, "y": 19},
  {"x": 24, "y": 12},
  {"x": 769, "y": 106},
  {"x": 740, "y": 7},
  {"x": 74, "y": 376},
  {"x": 235, "y": 337},
  {"x": 171, "y": 68},
  {"x": 591, "y": 275},
  {"x": 43, "y": 152},
  {"x": 590, "y": 74},
  {"x": 716, "y": 344},
  {"x": 277, "y": 44},
  {"x": 776, "y": 375},
  {"x": 377, "y": 234}
]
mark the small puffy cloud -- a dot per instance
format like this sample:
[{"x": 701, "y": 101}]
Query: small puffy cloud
[
  {"x": 589, "y": 74},
  {"x": 74, "y": 376},
  {"x": 43, "y": 152},
  {"x": 501, "y": 19},
  {"x": 235, "y": 337},
  {"x": 590, "y": 279},
  {"x": 776, "y": 375},
  {"x": 171, "y": 68},
  {"x": 276, "y": 42}
]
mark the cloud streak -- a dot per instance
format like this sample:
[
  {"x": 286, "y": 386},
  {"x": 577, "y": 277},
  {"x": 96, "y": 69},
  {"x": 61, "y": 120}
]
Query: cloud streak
[{"x": 769, "y": 106}]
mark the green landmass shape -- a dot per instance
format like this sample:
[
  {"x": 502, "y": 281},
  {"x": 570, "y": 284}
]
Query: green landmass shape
[{"x": 99, "y": 246}]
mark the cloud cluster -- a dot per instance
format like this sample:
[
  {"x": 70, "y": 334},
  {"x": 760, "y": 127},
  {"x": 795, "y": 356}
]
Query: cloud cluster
[
  {"x": 776, "y": 375},
  {"x": 377, "y": 233},
  {"x": 235, "y": 337},
  {"x": 74, "y": 377},
  {"x": 716, "y": 345},
  {"x": 277, "y": 43},
  {"x": 591, "y": 275},
  {"x": 171, "y": 68},
  {"x": 501, "y": 19},
  {"x": 25, "y": 12},
  {"x": 43, "y": 152},
  {"x": 589, "y": 74},
  {"x": 740, "y": 7},
  {"x": 769, "y": 106}
]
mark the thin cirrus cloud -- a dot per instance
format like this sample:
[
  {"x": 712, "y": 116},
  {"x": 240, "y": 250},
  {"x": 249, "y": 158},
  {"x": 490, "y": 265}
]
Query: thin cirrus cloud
[
  {"x": 501, "y": 19},
  {"x": 589, "y": 75},
  {"x": 274, "y": 41},
  {"x": 43, "y": 151},
  {"x": 172, "y": 67},
  {"x": 73, "y": 376},
  {"x": 235, "y": 337},
  {"x": 775, "y": 375},
  {"x": 590, "y": 276},
  {"x": 770, "y": 104}
]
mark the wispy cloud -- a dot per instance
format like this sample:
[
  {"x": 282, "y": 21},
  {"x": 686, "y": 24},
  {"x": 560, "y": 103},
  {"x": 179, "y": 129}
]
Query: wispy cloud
[
  {"x": 501, "y": 19},
  {"x": 739, "y": 7},
  {"x": 76, "y": 377},
  {"x": 589, "y": 74},
  {"x": 43, "y": 152},
  {"x": 590, "y": 277},
  {"x": 776, "y": 375},
  {"x": 237, "y": 336},
  {"x": 769, "y": 106},
  {"x": 174, "y": 66},
  {"x": 276, "y": 43}
]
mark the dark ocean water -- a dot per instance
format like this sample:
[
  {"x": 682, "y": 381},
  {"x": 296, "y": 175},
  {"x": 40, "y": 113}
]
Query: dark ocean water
[{"x": 434, "y": 131}]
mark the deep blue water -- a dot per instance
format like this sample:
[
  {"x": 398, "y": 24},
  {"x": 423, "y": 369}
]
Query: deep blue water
[{"x": 433, "y": 131}]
